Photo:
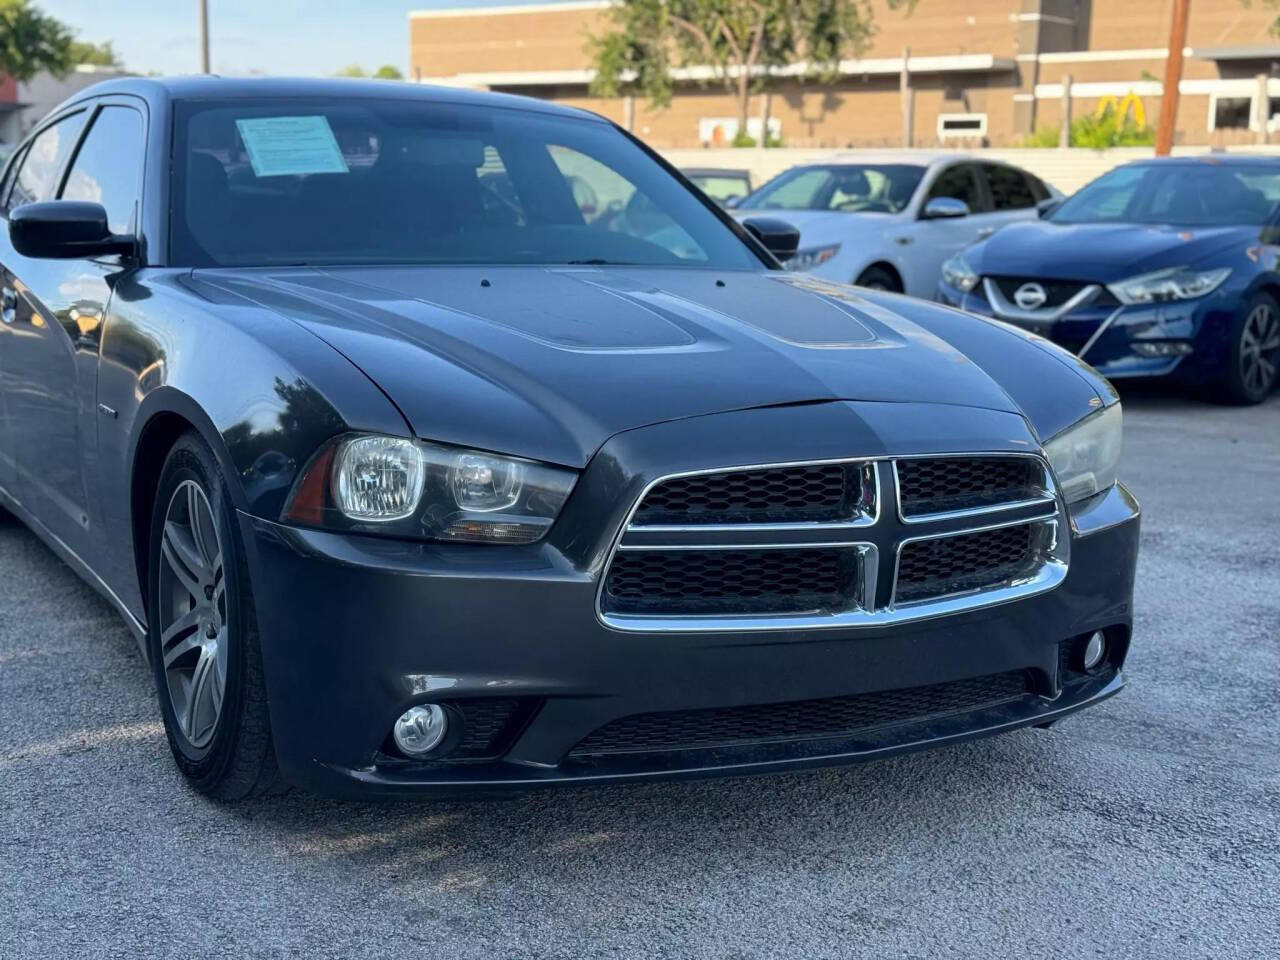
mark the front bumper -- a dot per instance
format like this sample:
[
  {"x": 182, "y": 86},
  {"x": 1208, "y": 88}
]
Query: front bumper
[
  {"x": 1112, "y": 338},
  {"x": 356, "y": 629}
]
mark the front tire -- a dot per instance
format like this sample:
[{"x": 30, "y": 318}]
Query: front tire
[
  {"x": 203, "y": 633},
  {"x": 1253, "y": 357},
  {"x": 878, "y": 278}
]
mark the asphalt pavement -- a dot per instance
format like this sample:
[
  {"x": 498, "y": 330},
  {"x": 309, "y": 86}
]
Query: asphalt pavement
[{"x": 1147, "y": 827}]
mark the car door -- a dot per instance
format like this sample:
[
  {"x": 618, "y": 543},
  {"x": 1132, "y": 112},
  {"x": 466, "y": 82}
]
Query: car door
[
  {"x": 49, "y": 353},
  {"x": 1014, "y": 193},
  {"x": 8, "y": 470},
  {"x": 934, "y": 241}
]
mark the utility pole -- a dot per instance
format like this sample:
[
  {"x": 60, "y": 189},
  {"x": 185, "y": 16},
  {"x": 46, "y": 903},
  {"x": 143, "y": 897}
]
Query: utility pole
[
  {"x": 907, "y": 98},
  {"x": 204, "y": 36},
  {"x": 1172, "y": 78},
  {"x": 1064, "y": 127}
]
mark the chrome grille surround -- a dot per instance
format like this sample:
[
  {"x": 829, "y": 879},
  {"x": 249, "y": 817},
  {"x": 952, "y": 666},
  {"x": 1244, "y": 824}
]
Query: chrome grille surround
[{"x": 877, "y": 538}]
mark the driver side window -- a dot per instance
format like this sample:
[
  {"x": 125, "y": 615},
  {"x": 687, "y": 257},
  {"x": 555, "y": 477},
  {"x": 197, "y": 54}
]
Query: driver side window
[{"x": 958, "y": 183}]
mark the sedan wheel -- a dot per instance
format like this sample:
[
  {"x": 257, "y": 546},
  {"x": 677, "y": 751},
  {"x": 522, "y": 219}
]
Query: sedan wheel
[
  {"x": 194, "y": 635},
  {"x": 203, "y": 634},
  {"x": 1254, "y": 356},
  {"x": 1260, "y": 349}
]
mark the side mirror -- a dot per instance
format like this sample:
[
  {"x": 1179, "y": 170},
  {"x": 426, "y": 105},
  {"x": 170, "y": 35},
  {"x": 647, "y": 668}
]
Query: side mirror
[
  {"x": 778, "y": 237},
  {"x": 1048, "y": 205},
  {"x": 944, "y": 208},
  {"x": 65, "y": 230}
]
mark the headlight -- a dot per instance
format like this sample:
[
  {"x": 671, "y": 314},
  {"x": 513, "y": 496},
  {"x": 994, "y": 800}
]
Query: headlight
[
  {"x": 409, "y": 488},
  {"x": 1177, "y": 283},
  {"x": 813, "y": 257},
  {"x": 957, "y": 273},
  {"x": 1085, "y": 456}
]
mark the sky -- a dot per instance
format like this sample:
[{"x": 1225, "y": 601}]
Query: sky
[{"x": 290, "y": 37}]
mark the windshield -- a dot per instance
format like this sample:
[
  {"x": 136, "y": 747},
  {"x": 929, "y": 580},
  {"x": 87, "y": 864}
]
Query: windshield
[
  {"x": 846, "y": 187},
  {"x": 1191, "y": 194},
  {"x": 269, "y": 182}
]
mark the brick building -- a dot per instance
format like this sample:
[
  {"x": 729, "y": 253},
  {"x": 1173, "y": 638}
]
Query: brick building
[{"x": 981, "y": 72}]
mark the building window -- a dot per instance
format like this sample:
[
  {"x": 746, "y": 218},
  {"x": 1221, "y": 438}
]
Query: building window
[
  {"x": 957, "y": 126},
  {"x": 1230, "y": 113},
  {"x": 1237, "y": 113}
]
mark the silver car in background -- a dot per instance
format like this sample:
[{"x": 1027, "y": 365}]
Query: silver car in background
[{"x": 890, "y": 220}]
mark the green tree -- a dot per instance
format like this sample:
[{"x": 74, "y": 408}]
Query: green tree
[
  {"x": 384, "y": 72},
  {"x": 738, "y": 43},
  {"x": 31, "y": 42},
  {"x": 97, "y": 54},
  {"x": 1097, "y": 131}
]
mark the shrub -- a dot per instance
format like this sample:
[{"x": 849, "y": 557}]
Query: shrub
[{"x": 1096, "y": 131}]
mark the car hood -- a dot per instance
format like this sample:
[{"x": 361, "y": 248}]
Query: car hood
[
  {"x": 549, "y": 363},
  {"x": 1102, "y": 252}
]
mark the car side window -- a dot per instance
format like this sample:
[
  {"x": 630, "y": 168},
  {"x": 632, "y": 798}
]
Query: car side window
[
  {"x": 609, "y": 201},
  {"x": 37, "y": 178},
  {"x": 959, "y": 183},
  {"x": 1009, "y": 188},
  {"x": 108, "y": 167},
  {"x": 7, "y": 184},
  {"x": 1037, "y": 187}
]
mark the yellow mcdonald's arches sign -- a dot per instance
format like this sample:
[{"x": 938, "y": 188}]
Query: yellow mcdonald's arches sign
[{"x": 1122, "y": 105}]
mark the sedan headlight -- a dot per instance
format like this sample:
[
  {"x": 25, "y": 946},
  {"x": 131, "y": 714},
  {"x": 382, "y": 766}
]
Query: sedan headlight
[
  {"x": 957, "y": 273},
  {"x": 1085, "y": 456},
  {"x": 813, "y": 257},
  {"x": 408, "y": 488},
  {"x": 1177, "y": 283}
]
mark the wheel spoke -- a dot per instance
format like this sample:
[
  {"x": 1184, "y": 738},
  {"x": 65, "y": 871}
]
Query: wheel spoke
[
  {"x": 180, "y": 636},
  {"x": 184, "y": 558},
  {"x": 204, "y": 539},
  {"x": 200, "y": 680}
]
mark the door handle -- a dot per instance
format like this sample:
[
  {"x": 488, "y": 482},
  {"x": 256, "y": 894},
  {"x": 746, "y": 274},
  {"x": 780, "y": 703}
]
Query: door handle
[
  {"x": 8, "y": 305},
  {"x": 986, "y": 231}
]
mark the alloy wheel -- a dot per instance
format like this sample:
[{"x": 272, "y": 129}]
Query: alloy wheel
[
  {"x": 192, "y": 611},
  {"x": 1260, "y": 349}
]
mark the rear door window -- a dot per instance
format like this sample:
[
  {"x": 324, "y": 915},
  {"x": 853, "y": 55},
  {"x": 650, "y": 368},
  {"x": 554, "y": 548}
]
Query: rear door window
[
  {"x": 1009, "y": 188},
  {"x": 37, "y": 178}
]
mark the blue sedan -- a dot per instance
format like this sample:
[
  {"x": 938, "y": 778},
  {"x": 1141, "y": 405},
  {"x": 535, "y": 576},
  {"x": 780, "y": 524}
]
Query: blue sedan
[{"x": 1159, "y": 267}]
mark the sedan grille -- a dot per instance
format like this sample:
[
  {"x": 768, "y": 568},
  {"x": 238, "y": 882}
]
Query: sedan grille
[
  {"x": 807, "y": 493},
  {"x": 675, "y": 582},
  {"x": 804, "y": 545},
  {"x": 799, "y": 720},
  {"x": 929, "y": 569},
  {"x": 941, "y": 484},
  {"x": 1057, "y": 292}
]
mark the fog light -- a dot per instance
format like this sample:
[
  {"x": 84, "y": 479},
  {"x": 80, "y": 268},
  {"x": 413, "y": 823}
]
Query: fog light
[
  {"x": 1095, "y": 650},
  {"x": 1161, "y": 348},
  {"x": 420, "y": 729}
]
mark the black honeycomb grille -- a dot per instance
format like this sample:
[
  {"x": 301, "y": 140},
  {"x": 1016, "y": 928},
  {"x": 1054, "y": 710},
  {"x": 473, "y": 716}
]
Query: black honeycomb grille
[
  {"x": 1057, "y": 292},
  {"x": 801, "y": 720},
  {"x": 803, "y": 494},
  {"x": 938, "y": 484},
  {"x": 695, "y": 582},
  {"x": 970, "y": 561}
]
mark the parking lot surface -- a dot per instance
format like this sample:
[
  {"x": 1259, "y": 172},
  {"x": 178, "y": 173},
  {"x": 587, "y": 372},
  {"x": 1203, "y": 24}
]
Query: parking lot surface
[{"x": 1147, "y": 827}]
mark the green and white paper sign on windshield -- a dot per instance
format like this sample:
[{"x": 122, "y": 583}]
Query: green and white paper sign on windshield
[{"x": 289, "y": 146}]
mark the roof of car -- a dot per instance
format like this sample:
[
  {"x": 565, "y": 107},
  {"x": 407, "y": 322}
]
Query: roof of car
[
  {"x": 214, "y": 87},
  {"x": 1212, "y": 159},
  {"x": 913, "y": 158}
]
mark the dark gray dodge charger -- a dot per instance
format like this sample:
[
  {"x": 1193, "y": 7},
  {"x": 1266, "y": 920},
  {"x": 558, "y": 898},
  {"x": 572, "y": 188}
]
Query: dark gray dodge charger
[{"x": 432, "y": 440}]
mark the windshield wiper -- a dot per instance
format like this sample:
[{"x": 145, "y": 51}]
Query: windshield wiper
[{"x": 594, "y": 262}]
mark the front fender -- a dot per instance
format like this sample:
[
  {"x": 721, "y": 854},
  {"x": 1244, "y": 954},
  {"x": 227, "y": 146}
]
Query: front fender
[{"x": 263, "y": 392}]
